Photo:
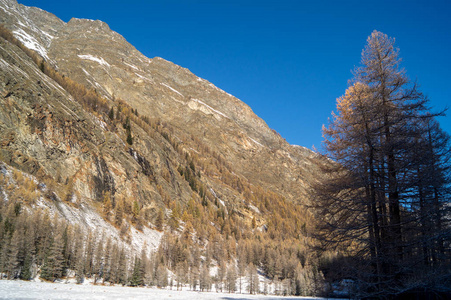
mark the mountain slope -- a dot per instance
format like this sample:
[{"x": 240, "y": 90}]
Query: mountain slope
[{"x": 142, "y": 145}]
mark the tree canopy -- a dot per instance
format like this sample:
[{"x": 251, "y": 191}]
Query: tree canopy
[{"x": 384, "y": 200}]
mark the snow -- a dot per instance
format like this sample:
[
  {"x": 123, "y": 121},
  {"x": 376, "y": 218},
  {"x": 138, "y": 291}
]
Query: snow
[
  {"x": 16, "y": 289},
  {"x": 150, "y": 238},
  {"x": 132, "y": 66},
  {"x": 213, "y": 86},
  {"x": 94, "y": 58},
  {"x": 30, "y": 42},
  {"x": 88, "y": 218},
  {"x": 181, "y": 102},
  {"x": 256, "y": 142},
  {"x": 143, "y": 77},
  {"x": 214, "y": 194},
  {"x": 174, "y": 90},
  {"x": 5, "y": 3},
  {"x": 211, "y": 109},
  {"x": 5, "y": 196},
  {"x": 254, "y": 208}
]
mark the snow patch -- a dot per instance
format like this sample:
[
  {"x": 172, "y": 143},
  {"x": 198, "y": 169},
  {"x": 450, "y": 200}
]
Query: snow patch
[
  {"x": 30, "y": 42},
  {"x": 5, "y": 196},
  {"x": 214, "y": 194},
  {"x": 86, "y": 217},
  {"x": 177, "y": 100},
  {"x": 174, "y": 90},
  {"x": 254, "y": 208},
  {"x": 149, "y": 237},
  {"x": 143, "y": 77},
  {"x": 98, "y": 60},
  {"x": 205, "y": 108},
  {"x": 213, "y": 86},
  {"x": 256, "y": 142},
  {"x": 5, "y": 3},
  {"x": 131, "y": 66}
]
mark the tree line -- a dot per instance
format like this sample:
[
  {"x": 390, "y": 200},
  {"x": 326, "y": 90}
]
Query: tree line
[{"x": 35, "y": 243}]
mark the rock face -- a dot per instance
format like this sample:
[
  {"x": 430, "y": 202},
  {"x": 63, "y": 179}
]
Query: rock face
[{"x": 45, "y": 133}]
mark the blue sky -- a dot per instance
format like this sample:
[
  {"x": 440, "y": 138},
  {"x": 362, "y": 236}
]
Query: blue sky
[{"x": 288, "y": 60}]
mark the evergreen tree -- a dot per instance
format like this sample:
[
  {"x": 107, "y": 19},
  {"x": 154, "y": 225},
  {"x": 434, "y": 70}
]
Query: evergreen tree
[
  {"x": 137, "y": 275},
  {"x": 13, "y": 262},
  {"x": 129, "y": 138},
  {"x": 56, "y": 257},
  {"x": 29, "y": 250},
  {"x": 122, "y": 267},
  {"x": 111, "y": 113}
]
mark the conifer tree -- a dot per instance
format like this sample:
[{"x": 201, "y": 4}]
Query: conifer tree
[
  {"x": 111, "y": 113},
  {"x": 13, "y": 261},
  {"x": 137, "y": 275},
  {"x": 29, "y": 251},
  {"x": 99, "y": 260},
  {"x": 162, "y": 276},
  {"x": 252, "y": 278},
  {"x": 114, "y": 270},
  {"x": 231, "y": 279},
  {"x": 122, "y": 267},
  {"x": 205, "y": 278},
  {"x": 159, "y": 222},
  {"x": 56, "y": 257},
  {"x": 367, "y": 202},
  {"x": 89, "y": 255},
  {"x": 107, "y": 205},
  {"x": 108, "y": 260}
]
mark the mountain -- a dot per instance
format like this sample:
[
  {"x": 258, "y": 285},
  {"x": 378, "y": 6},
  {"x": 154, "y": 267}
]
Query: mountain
[{"x": 110, "y": 137}]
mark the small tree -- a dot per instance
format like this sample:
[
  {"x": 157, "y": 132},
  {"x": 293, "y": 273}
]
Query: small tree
[
  {"x": 231, "y": 279},
  {"x": 159, "y": 222},
  {"x": 107, "y": 206},
  {"x": 111, "y": 113},
  {"x": 253, "y": 281},
  {"x": 137, "y": 275},
  {"x": 129, "y": 138}
]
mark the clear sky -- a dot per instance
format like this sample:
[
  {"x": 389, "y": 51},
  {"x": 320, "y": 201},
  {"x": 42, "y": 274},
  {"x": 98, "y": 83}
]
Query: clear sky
[{"x": 288, "y": 60}]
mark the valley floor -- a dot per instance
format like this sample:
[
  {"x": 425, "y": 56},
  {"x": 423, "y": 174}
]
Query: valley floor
[{"x": 16, "y": 289}]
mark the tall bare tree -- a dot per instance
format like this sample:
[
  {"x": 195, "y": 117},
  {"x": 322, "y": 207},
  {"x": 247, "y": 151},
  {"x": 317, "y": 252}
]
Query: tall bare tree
[{"x": 372, "y": 199}]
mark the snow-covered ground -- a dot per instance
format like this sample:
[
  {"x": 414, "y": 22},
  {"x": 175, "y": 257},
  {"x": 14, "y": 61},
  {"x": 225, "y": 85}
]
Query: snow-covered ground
[{"x": 16, "y": 289}]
